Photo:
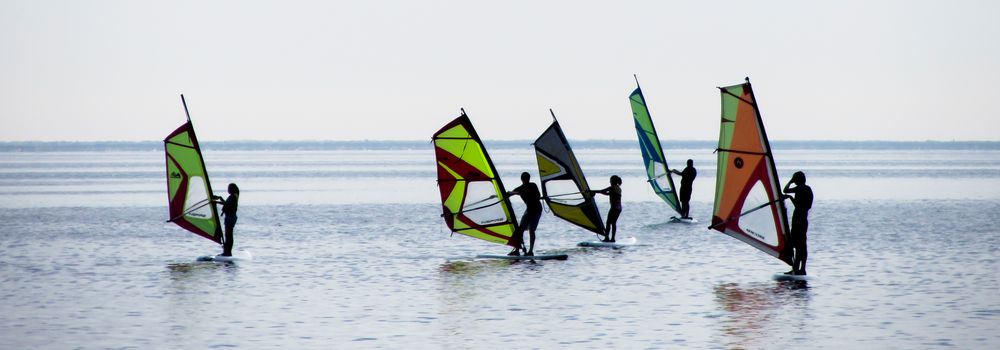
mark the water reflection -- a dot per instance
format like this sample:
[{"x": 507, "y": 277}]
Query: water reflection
[
  {"x": 463, "y": 281},
  {"x": 192, "y": 286},
  {"x": 751, "y": 313},
  {"x": 476, "y": 297},
  {"x": 182, "y": 274}
]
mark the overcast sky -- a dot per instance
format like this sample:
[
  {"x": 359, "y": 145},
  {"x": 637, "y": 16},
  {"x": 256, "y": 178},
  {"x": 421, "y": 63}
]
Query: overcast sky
[{"x": 339, "y": 70}]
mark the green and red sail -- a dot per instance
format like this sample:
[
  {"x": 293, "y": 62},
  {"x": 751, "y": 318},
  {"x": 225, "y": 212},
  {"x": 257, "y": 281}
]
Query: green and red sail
[{"x": 189, "y": 192}]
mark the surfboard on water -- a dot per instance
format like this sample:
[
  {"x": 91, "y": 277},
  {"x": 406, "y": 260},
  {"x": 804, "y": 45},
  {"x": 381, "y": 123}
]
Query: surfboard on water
[
  {"x": 781, "y": 276},
  {"x": 678, "y": 220},
  {"x": 619, "y": 244},
  {"x": 524, "y": 257},
  {"x": 240, "y": 255}
]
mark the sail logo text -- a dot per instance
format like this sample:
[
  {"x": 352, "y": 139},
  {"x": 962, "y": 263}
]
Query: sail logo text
[
  {"x": 493, "y": 221},
  {"x": 755, "y": 234},
  {"x": 175, "y": 175}
]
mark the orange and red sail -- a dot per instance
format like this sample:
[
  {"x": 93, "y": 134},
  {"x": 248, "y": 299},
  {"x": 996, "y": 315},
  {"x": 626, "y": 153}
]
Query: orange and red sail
[{"x": 748, "y": 199}]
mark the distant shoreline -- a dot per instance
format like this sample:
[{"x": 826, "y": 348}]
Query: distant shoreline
[{"x": 92, "y": 146}]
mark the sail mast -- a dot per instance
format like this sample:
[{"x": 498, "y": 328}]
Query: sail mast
[{"x": 186, "y": 113}]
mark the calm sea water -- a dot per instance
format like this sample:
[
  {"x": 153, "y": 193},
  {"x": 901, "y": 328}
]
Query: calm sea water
[{"x": 350, "y": 252}]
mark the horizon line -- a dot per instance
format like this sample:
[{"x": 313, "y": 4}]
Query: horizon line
[
  {"x": 490, "y": 140},
  {"x": 385, "y": 145}
]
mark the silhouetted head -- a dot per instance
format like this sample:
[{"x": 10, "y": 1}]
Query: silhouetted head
[
  {"x": 799, "y": 178},
  {"x": 233, "y": 189},
  {"x": 525, "y": 177},
  {"x": 690, "y": 162},
  {"x": 615, "y": 180}
]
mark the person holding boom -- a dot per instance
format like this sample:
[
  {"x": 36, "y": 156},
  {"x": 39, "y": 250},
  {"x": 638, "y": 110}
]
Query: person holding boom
[
  {"x": 614, "y": 193},
  {"x": 532, "y": 213},
  {"x": 800, "y": 220}
]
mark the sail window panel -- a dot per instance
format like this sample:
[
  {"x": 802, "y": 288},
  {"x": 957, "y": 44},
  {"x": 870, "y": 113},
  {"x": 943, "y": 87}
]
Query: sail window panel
[
  {"x": 482, "y": 205},
  {"x": 564, "y": 192},
  {"x": 660, "y": 177},
  {"x": 195, "y": 205},
  {"x": 759, "y": 224}
]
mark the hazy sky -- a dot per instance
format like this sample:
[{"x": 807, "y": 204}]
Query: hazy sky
[{"x": 339, "y": 70}]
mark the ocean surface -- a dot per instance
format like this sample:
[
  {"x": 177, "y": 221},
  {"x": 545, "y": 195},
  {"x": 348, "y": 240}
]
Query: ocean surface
[{"x": 350, "y": 252}]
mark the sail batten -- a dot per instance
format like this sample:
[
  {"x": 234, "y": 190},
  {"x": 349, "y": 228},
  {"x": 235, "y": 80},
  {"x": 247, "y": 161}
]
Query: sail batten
[
  {"x": 657, "y": 171},
  {"x": 562, "y": 177},
  {"x": 472, "y": 195},
  {"x": 748, "y": 200}
]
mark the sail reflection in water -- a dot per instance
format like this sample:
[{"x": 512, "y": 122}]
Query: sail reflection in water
[{"x": 753, "y": 313}]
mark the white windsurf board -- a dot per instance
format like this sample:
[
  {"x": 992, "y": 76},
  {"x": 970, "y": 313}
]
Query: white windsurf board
[
  {"x": 240, "y": 255},
  {"x": 781, "y": 276},
  {"x": 599, "y": 244},
  {"x": 678, "y": 220}
]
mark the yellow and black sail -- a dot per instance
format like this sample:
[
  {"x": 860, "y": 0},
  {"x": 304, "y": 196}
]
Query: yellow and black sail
[{"x": 563, "y": 185}]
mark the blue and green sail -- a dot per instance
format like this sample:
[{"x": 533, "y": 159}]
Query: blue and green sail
[{"x": 657, "y": 171}]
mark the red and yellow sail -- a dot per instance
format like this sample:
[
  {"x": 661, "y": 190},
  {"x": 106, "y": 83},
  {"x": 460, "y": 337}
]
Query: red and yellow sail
[
  {"x": 473, "y": 198},
  {"x": 748, "y": 204}
]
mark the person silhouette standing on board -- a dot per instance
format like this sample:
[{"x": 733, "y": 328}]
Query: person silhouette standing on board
[
  {"x": 532, "y": 213},
  {"x": 229, "y": 212},
  {"x": 614, "y": 193},
  {"x": 687, "y": 180},
  {"x": 800, "y": 220}
]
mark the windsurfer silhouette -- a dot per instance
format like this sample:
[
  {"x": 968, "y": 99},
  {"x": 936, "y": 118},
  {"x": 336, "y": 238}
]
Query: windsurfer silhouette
[
  {"x": 687, "y": 180},
  {"x": 800, "y": 220},
  {"x": 229, "y": 211},
  {"x": 532, "y": 213},
  {"x": 614, "y": 193}
]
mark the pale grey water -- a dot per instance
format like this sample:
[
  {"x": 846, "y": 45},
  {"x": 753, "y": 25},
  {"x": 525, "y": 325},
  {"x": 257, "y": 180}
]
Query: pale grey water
[{"x": 350, "y": 252}]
